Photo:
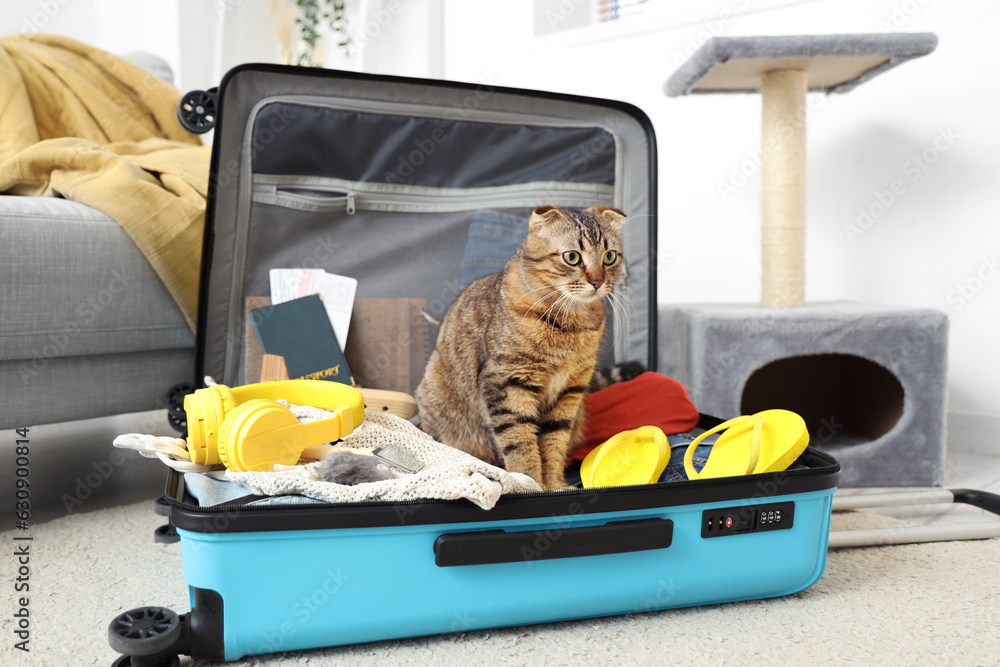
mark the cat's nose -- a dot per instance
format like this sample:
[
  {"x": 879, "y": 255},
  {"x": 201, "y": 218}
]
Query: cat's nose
[{"x": 596, "y": 282}]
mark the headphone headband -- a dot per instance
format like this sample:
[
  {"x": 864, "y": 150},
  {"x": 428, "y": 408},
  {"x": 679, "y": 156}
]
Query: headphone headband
[
  {"x": 346, "y": 402},
  {"x": 246, "y": 429},
  {"x": 334, "y": 396}
]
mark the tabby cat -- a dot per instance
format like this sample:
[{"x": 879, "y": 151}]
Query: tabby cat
[{"x": 517, "y": 349}]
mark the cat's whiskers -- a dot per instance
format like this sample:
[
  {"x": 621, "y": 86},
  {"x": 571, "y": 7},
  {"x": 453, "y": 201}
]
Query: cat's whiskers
[
  {"x": 620, "y": 305},
  {"x": 626, "y": 296},
  {"x": 615, "y": 229},
  {"x": 558, "y": 317},
  {"x": 567, "y": 304},
  {"x": 562, "y": 298},
  {"x": 621, "y": 323},
  {"x": 563, "y": 307},
  {"x": 532, "y": 306},
  {"x": 553, "y": 287},
  {"x": 636, "y": 217}
]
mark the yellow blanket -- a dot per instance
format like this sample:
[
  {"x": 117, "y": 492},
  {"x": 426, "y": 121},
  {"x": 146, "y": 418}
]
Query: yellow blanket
[{"x": 83, "y": 124}]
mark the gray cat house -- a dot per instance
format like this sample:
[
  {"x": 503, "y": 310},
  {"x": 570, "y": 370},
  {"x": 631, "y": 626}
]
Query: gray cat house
[{"x": 869, "y": 380}]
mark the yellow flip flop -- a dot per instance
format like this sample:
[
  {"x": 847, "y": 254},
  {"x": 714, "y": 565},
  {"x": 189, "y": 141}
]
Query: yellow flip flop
[
  {"x": 631, "y": 457},
  {"x": 768, "y": 441}
]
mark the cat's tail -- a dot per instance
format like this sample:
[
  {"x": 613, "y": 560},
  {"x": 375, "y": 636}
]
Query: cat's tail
[{"x": 615, "y": 373}]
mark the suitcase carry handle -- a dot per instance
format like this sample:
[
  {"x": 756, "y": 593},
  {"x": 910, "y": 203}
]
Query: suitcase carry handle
[
  {"x": 916, "y": 534},
  {"x": 982, "y": 499},
  {"x": 498, "y": 546}
]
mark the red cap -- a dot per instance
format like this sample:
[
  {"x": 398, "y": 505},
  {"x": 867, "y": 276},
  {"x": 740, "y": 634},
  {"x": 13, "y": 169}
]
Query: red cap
[{"x": 650, "y": 399}]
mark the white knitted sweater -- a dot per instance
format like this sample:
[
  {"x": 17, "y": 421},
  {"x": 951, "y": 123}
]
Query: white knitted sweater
[{"x": 447, "y": 473}]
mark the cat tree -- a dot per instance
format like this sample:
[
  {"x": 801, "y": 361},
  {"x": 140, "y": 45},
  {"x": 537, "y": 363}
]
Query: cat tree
[
  {"x": 870, "y": 380},
  {"x": 782, "y": 70}
]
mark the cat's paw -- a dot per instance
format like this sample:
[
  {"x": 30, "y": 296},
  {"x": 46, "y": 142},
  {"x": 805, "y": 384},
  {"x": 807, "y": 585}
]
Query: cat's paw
[{"x": 559, "y": 487}]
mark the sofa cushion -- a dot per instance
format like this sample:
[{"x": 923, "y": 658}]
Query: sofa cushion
[
  {"x": 73, "y": 283},
  {"x": 70, "y": 388}
]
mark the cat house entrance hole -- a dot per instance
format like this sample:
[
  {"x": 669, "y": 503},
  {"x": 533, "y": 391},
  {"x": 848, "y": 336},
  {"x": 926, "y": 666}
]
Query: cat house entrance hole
[{"x": 844, "y": 399}]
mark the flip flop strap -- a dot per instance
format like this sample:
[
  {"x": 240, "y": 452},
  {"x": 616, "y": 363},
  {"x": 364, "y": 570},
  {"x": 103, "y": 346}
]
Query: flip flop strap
[
  {"x": 754, "y": 421},
  {"x": 603, "y": 450}
]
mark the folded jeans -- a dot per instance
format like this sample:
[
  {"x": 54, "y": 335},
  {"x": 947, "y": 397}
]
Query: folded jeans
[{"x": 674, "y": 472}]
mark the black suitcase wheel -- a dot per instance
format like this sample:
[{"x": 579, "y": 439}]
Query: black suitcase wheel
[
  {"x": 196, "y": 111},
  {"x": 176, "y": 416},
  {"x": 126, "y": 661},
  {"x": 161, "y": 506},
  {"x": 144, "y": 631},
  {"x": 175, "y": 397},
  {"x": 177, "y": 423},
  {"x": 166, "y": 534}
]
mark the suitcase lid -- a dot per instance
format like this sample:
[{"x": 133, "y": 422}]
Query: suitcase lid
[{"x": 380, "y": 177}]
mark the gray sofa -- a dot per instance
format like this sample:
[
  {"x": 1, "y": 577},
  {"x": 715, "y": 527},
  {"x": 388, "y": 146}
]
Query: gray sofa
[{"x": 86, "y": 327}]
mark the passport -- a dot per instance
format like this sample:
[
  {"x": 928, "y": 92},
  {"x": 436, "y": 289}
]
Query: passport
[{"x": 300, "y": 331}]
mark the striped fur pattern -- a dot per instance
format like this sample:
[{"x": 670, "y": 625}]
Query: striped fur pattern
[
  {"x": 609, "y": 375},
  {"x": 517, "y": 349}
]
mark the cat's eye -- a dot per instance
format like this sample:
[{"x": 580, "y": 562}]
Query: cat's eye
[
  {"x": 610, "y": 257},
  {"x": 572, "y": 257}
]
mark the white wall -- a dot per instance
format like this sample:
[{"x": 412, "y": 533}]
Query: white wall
[
  {"x": 401, "y": 37},
  {"x": 73, "y": 18},
  {"x": 175, "y": 30},
  {"x": 941, "y": 234},
  {"x": 203, "y": 39}
]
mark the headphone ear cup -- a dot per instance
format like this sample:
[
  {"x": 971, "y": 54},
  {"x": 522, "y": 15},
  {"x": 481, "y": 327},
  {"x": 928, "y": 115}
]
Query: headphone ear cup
[
  {"x": 228, "y": 454},
  {"x": 206, "y": 409},
  {"x": 258, "y": 434}
]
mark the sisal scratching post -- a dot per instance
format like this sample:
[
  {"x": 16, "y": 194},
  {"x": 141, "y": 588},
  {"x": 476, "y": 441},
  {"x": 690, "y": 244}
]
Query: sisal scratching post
[
  {"x": 782, "y": 69},
  {"x": 783, "y": 188}
]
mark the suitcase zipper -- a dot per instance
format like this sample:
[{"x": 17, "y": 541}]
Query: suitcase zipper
[
  {"x": 761, "y": 479},
  {"x": 820, "y": 473},
  {"x": 335, "y": 195}
]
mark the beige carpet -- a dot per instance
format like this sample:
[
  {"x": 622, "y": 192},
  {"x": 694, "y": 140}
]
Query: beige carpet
[{"x": 932, "y": 604}]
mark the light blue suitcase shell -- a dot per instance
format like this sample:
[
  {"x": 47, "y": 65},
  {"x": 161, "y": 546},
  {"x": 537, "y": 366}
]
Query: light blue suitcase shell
[{"x": 285, "y": 590}]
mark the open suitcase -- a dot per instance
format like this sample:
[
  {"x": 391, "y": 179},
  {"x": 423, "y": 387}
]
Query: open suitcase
[{"x": 379, "y": 178}]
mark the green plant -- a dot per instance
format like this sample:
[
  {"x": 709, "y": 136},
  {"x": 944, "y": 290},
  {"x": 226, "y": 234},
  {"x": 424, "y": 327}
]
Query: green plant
[{"x": 311, "y": 14}]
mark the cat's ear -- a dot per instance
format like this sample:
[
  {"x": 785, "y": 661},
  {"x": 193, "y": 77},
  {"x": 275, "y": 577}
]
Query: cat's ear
[
  {"x": 609, "y": 213},
  {"x": 542, "y": 215},
  {"x": 611, "y": 216}
]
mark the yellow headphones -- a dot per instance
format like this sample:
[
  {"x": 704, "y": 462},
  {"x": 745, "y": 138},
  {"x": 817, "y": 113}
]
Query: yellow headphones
[{"x": 245, "y": 428}]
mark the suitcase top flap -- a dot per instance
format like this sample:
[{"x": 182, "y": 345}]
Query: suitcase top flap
[{"x": 413, "y": 188}]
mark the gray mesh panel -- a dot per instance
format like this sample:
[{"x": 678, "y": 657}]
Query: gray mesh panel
[
  {"x": 437, "y": 152},
  {"x": 392, "y": 255}
]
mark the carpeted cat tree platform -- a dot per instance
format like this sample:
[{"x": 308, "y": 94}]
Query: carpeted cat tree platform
[{"x": 869, "y": 380}]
